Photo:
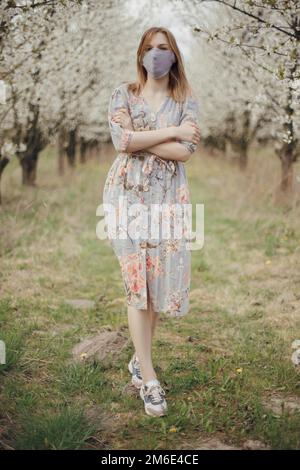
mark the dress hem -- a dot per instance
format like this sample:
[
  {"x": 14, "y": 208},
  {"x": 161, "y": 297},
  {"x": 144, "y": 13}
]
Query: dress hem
[{"x": 165, "y": 311}]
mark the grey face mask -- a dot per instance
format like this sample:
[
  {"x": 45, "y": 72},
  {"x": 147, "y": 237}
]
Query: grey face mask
[{"x": 158, "y": 62}]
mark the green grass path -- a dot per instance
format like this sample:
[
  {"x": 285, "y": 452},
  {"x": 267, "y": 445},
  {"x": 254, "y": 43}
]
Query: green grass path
[{"x": 222, "y": 364}]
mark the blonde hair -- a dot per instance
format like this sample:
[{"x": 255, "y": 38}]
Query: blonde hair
[{"x": 178, "y": 83}]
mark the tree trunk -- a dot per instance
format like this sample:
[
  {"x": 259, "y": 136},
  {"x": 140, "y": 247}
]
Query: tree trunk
[
  {"x": 243, "y": 156},
  {"x": 288, "y": 155},
  {"x": 98, "y": 151},
  {"x": 286, "y": 172},
  {"x": 61, "y": 150},
  {"x": 83, "y": 150},
  {"x": 29, "y": 166},
  {"x": 34, "y": 142},
  {"x": 243, "y": 160},
  {"x": 71, "y": 149},
  {"x": 3, "y": 162},
  {"x": 245, "y": 141}
]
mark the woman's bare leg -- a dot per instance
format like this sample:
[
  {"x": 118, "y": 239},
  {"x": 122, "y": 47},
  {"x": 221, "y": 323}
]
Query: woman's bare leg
[
  {"x": 139, "y": 322},
  {"x": 154, "y": 319},
  {"x": 142, "y": 325}
]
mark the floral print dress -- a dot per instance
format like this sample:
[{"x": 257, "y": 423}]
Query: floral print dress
[{"x": 154, "y": 268}]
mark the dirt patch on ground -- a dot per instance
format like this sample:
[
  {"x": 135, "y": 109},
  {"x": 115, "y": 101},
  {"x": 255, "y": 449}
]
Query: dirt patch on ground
[
  {"x": 101, "y": 346},
  {"x": 131, "y": 390},
  {"x": 214, "y": 444},
  {"x": 280, "y": 405},
  {"x": 219, "y": 443},
  {"x": 102, "y": 420}
]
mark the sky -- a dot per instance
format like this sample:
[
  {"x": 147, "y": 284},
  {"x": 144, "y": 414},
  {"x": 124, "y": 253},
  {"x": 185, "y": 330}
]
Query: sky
[{"x": 164, "y": 16}]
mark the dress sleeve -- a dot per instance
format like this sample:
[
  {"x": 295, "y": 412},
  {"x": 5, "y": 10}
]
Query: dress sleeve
[
  {"x": 120, "y": 137},
  {"x": 190, "y": 112}
]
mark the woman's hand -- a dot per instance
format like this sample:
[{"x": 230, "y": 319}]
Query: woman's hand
[
  {"x": 123, "y": 118},
  {"x": 188, "y": 131}
]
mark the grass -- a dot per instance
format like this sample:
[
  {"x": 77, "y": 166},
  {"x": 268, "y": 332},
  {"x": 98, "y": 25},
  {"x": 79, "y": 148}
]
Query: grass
[
  {"x": 65, "y": 430},
  {"x": 218, "y": 364}
]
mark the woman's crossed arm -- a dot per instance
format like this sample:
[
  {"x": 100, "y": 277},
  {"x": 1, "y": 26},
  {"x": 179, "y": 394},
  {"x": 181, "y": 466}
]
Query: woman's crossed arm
[{"x": 164, "y": 142}]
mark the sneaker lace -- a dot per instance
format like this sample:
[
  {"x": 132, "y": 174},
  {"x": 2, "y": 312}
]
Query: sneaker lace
[
  {"x": 156, "y": 393},
  {"x": 137, "y": 366}
]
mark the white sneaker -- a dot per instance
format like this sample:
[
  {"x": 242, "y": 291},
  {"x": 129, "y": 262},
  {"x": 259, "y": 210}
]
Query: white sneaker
[
  {"x": 134, "y": 369},
  {"x": 153, "y": 396}
]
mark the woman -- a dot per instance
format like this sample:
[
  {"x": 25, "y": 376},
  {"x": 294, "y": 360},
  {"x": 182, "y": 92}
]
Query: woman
[{"x": 154, "y": 127}]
